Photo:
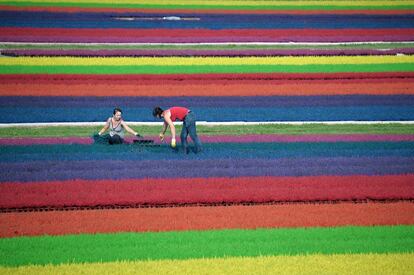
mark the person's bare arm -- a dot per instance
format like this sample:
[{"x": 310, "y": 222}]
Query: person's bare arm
[
  {"x": 104, "y": 128},
  {"x": 167, "y": 119},
  {"x": 164, "y": 128},
  {"x": 128, "y": 129}
]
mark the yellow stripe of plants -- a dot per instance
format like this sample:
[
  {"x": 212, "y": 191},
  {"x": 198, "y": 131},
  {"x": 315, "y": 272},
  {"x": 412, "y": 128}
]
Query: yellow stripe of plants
[
  {"x": 230, "y": 2},
  {"x": 310, "y": 264},
  {"x": 188, "y": 61}
]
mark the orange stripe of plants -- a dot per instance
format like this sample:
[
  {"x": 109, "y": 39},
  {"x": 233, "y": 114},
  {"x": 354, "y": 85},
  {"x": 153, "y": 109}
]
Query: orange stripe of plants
[
  {"x": 204, "y": 218},
  {"x": 205, "y": 89}
]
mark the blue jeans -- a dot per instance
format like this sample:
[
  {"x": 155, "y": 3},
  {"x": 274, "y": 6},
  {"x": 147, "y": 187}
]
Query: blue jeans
[{"x": 189, "y": 128}]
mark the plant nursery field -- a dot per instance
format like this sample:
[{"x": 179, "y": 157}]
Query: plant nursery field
[{"x": 305, "y": 111}]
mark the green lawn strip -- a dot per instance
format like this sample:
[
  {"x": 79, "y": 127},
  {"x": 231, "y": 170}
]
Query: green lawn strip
[
  {"x": 240, "y": 6},
  {"x": 282, "y": 129},
  {"x": 307, "y": 129},
  {"x": 121, "y": 46},
  {"x": 192, "y": 69},
  {"x": 204, "y": 244}
]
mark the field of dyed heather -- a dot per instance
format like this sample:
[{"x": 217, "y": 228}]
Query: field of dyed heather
[{"x": 306, "y": 114}]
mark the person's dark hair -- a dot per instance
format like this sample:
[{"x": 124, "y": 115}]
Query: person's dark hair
[
  {"x": 157, "y": 111},
  {"x": 117, "y": 109}
]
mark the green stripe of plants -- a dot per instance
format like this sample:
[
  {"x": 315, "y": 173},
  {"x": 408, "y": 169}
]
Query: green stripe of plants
[
  {"x": 11, "y": 69},
  {"x": 283, "y": 129},
  {"x": 210, "y": 47},
  {"x": 204, "y": 244},
  {"x": 223, "y": 7}
]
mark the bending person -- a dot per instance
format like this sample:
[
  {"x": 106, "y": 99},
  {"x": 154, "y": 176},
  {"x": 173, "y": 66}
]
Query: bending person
[
  {"x": 117, "y": 127},
  {"x": 189, "y": 126}
]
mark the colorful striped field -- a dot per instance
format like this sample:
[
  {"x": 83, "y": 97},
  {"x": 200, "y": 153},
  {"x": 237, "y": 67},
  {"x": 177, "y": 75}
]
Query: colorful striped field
[{"x": 306, "y": 114}]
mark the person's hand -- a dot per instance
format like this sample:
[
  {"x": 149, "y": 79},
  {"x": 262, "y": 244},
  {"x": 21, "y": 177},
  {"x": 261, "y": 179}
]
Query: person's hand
[
  {"x": 138, "y": 135},
  {"x": 161, "y": 136},
  {"x": 173, "y": 144}
]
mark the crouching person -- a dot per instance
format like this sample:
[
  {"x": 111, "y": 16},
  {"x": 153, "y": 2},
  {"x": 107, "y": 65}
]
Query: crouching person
[{"x": 117, "y": 127}]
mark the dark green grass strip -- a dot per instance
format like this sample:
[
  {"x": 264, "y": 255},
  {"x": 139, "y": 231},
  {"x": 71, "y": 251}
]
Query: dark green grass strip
[
  {"x": 319, "y": 68},
  {"x": 204, "y": 244},
  {"x": 80, "y": 152},
  {"x": 395, "y": 45},
  {"x": 222, "y": 7},
  {"x": 283, "y": 129},
  {"x": 268, "y": 149}
]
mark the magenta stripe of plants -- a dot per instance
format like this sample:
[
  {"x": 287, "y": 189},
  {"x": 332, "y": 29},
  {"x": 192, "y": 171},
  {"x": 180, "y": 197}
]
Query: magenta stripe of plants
[{"x": 221, "y": 139}]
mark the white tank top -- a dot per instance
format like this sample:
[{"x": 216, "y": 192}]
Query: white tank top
[{"x": 118, "y": 130}]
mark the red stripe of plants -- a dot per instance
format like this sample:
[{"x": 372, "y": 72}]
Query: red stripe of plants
[
  {"x": 205, "y": 190},
  {"x": 203, "y": 11},
  {"x": 142, "y": 34},
  {"x": 204, "y": 218}
]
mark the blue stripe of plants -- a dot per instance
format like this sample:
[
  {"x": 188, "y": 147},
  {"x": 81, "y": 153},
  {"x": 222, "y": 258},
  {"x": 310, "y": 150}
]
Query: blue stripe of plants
[
  {"x": 208, "y": 101},
  {"x": 212, "y": 114},
  {"x": 210, "y": 151},
  {"x": 43, "y": 170},
  {"x": 203, "y": 21}
]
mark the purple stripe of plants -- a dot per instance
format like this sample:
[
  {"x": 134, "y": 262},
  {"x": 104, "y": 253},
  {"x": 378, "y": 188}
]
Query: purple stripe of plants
[
  {"x": 221, "y": 139},
  {"x": 122, "y": 169},
  {"x": 202, "y": 101},
  {"x": 235, "y": 52}
]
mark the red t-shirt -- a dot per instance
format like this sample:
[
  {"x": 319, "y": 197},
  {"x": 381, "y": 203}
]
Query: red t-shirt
[{"x": 178, "y": 113}]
